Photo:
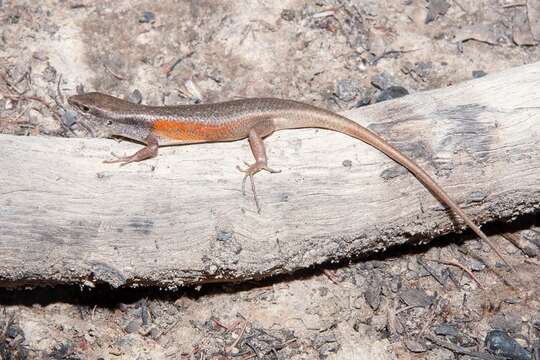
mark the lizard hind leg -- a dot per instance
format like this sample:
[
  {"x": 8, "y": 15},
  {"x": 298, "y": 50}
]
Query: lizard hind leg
[{"x": 261, "y": 161}]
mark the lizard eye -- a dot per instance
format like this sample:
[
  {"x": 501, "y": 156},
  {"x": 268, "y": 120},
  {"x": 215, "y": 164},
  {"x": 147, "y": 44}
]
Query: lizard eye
[
  {"x": 109, "y": 122},
  {"x": 84, "y": 108}
]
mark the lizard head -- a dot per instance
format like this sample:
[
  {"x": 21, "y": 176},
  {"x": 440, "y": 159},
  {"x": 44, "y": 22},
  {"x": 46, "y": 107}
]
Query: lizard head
[
  {"x": 94, "y": 103},
  {"x": 105, "y": 115}
]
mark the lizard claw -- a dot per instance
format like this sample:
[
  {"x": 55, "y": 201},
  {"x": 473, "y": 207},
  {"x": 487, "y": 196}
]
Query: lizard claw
[
  {"x": 250, "y": 171},
  {"x": 123, "y": 160},
  {"x": 255, "y": 168}
]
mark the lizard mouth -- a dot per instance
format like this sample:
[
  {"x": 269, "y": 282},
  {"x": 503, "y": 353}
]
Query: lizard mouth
[{"x": 86, "y": 127}]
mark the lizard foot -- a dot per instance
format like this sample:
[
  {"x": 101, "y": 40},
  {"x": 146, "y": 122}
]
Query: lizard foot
[
  {"x": 250, "y": 171},
  {"x": 123, "y": 160},
  {"x": 147, "y": 152}
]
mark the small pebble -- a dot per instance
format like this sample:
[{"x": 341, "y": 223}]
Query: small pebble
[
  {"x": 422, "y": 69},
  {"x": 476, "y": 196},
  {"x": 478, "y": 74},
  {"x": 347, "y": 89},
  {"x": 224, "y": 235},
  {"x": 476, "y": 265},
  {"x": 381, "y": 81},
  {"x": 13, "y": 331},
  {"x": 379, "y": 322},
  {"x": 416, "y": 297},
  {"x": 154, "y": 333},
  {"x": 445, "y": 329},
  {"x": 287, "y": 15},
  {"x": 531, "y": 236},
  {"x": 395, "y": 283},
  {"x": 436, "y": 8},
  {"x": 40, "y": 55},
  {"x": 193, "y": 91},
  {"x": 212, "y": 269},
  {"x": 69, "y": 118},
  {"x": 507, "y": 321},
  {"x": 144, "y": 313},
  {"x": 49, "y": 74},
  {"x": 326, "y": 344},
  {"x": 135, "y": 97},
  {"x": 499, "y": 343},
  {"x": 415, "y": 346},
  {"x": 147, "y": 17},
  {"x": 13, "y": 19},
  {"x": 366, "y": 100},
  {"x": 392, "y": 92},
  {"x": 373, "y": 295},
  {"x": 79, "y": 89},
  {"x": 132, "y": 327}
]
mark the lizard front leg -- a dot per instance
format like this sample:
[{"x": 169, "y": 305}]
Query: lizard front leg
[
  {"x": 256, "y": 143},
  {"x": 147, "y": 152}
]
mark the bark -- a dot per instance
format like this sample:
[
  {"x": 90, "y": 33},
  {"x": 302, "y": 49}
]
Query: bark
[{"x": 65, "y": 217}]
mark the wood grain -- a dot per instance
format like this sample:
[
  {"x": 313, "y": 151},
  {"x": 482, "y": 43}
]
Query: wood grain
[{"x": 65, "y": 217}]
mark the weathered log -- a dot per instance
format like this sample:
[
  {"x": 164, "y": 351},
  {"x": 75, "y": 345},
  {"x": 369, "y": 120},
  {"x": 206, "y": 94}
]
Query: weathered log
[{"x": 65, "y": 217}]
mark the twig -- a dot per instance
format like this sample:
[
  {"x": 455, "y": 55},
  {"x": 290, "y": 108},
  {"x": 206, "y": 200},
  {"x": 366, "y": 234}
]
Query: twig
[
  {"x": 429, "y": 320},
  {"x": 391, "y": 316},
  {"x": 459, "y": 265},
  {"x": 514, "y": 4},
  {"x": 279, "y": 347},
  {"x": 240, "y": 336},
  {"x": 119, "y": 77},
  {"x": 252, "y": 348},
  {"x": 12, "y": 86},
  {"x": 514, "y": 240},
  {"x": 58, "y": 90},
  {"x": 490, "y": 267},
  {"x": 458, "y": 349},
  {"x": 250, "y": 356},
  {"x": 170, "y": 68},
  {"x": 286, "y": 343},
  {"x": 24, "y": 97},
  {"x": 406, "y": 308},
  {"x": 330, "y": 276},
  {"x": 173, "y": 325},
  {"x": 431, "y": 272},
  {"x": 218, "y": 323},
  {"x": 532, "y": 261},
  {"x": 22, "y": 113},
  {"x": 389, "y": 53}
]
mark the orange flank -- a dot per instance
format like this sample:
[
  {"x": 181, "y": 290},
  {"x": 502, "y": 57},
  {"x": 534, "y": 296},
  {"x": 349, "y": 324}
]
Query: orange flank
[{"x": 188, "y": 131}]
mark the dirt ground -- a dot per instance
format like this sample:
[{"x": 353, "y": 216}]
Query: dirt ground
[{"x": 336, "y": 54}]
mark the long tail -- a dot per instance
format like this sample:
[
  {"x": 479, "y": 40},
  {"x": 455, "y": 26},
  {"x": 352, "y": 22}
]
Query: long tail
[{"x": 318, "y": 118}]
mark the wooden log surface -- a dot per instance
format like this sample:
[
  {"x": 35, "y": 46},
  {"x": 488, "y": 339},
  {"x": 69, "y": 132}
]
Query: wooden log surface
[{"x": 66, "y": 217}]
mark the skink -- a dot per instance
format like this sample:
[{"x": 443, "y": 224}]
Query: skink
[{"x": 253, "y": 119}]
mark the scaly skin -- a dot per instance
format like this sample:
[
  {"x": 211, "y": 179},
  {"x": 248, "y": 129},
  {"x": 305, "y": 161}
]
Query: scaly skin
[{"x": 253, "y": 118}]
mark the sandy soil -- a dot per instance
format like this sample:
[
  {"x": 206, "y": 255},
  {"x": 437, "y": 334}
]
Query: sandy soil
[{"x": 335, "y": 54}]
